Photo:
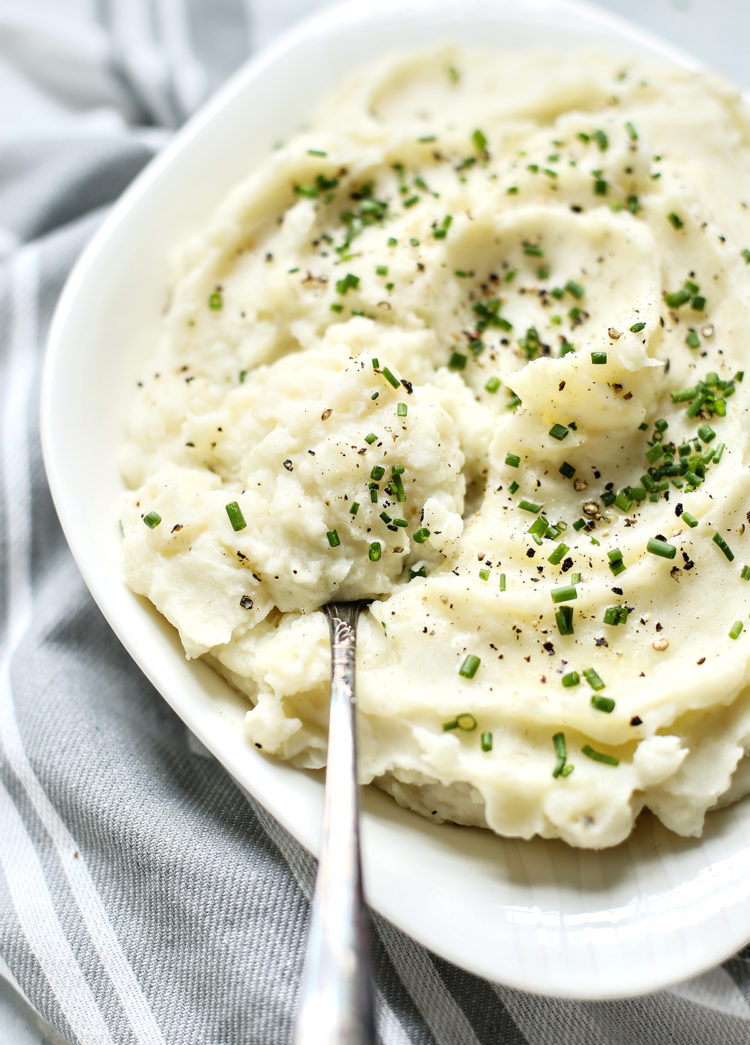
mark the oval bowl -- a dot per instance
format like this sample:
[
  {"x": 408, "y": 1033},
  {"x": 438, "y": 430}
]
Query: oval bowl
[{"x": 534, "y": 915}]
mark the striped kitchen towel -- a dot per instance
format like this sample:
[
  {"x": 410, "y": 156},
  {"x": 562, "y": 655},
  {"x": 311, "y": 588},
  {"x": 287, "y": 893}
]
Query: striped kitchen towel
[{"x": 143, "y": 899}]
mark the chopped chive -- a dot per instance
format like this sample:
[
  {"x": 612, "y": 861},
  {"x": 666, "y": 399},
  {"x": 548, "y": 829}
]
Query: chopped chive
[
  {"x": 745, "y": 575},
  {"x": 605, "y": 704},
  {"x": 236, "y": 517},
  {"x": 469, "y": 667},
  {"x": 530, "y": 506},
  {"x": 349, "y": 282},
  {"x": 632, "y": 132},
  {"x": 675, "y": 220},
  {"x": 562, "y": 755},
  {"x": 593, "y": 679},
  {"x": 216, "y": 301},
  {"x": 706, "y": 433},
  {"x": 401, "y": 410},
  {"x": 571, "y": 679},
  {"x": 599, "y": 756},
  {"x": 533, "y": 250},
  {"x": 400, "y": 522},
  {"x": 677, "y": 298},
  {"x": 559, "y": 432},
  {"x": 152, "y": 519},
  {"x": 601, "y": 139},
  {"x": 745, "y": 253},
  {"x": 721, "y": 543},
  {"x": 421, "y": 535},
  {"x": 457, "y": 361},
  {"x": 615, "y": 615},
  {"x": 371, "y": 438},
  {"x": 657, "y": 546},
  {"x": 374, "y": 551},
  {"x": 484, "y": 575},
  {"x": 465, "y": 721},
  {"x": 486, "y": 740},
  {"x": 692, "y": 340},
  {"x": 354, "y": 508},
  {"x": 575, "y": 289},
  {"x": 513, "y": 460},
  {"x": 390, "y": 378},
  {"x": 564, "y": 594},
  {"x": 558, "y": 554},
  {"x": 736, "y": 630},
  {"x": 333, "y": 538},
  {"x": 502, "y": 582},
  {"x": 479, "y": 139},
  {"x": 564, "y": 620},
  {"x": 492, "y": 384},
  {"x": 599, "y": 357},
  {"x": 513, "y": 487},
  {"x": 377, "y": 472},
  {"x": 567, "y": 470},
  {"x": 637, "y": 328},
  {"x": 381, "y": 270}
]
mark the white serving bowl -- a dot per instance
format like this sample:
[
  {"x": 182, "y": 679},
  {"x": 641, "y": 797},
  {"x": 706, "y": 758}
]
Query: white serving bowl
[{"x": 535, "y": 915}]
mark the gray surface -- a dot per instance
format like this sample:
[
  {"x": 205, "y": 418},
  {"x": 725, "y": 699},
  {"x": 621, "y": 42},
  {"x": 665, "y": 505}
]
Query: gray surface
[{"x": 718, "y": 31}]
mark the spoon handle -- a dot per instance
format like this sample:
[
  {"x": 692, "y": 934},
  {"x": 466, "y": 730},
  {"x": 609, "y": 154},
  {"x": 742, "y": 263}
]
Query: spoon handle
[{"x": 336, "y": 1005}]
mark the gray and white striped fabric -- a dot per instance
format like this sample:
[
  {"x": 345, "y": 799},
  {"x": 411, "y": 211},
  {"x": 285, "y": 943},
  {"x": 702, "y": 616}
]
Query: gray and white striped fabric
[{"x": 143, "y": 899}]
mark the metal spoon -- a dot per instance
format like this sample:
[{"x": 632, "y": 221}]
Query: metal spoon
[{"x": 336, "y": 1002}]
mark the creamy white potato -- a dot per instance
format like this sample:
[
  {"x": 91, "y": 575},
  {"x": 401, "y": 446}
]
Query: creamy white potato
[{"x": 471, "y": 346}]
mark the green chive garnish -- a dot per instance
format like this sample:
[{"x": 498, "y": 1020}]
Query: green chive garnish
[
  {"x": 558, "y": 554},
  {"x": 374, "y": 551},
  {"x": 465, "y": 721},
  {"x": 605, "y": 704},
  {"x": 513, "y": 460},
  {"x": 401, "y": 410},
  {"x": 675, "y": 220},
  {"x": 662, "y": 548},
  {"x": 559, "y": 432},
  {"x": 571, "y": 679},
  {"x": 152, "y": 520},
  {"x": 564, "y": 620},
  {"x": 371, "y": 438},
  {"x": 599, "y": 357},
  {"x": 561, "y": 751},
  {"x": 390, "y": 378},
  {"x": 236, "y": 517},
  {"x": 486, "y": 740},
  {"x": 721, "y": 543},
  {"x": 593, "y": 679},
  {"x": 492, "y": 384},
  {"x": 599, "y": 756},
  {"x": 530, "y": 506},
  {"x": 469, "y": 667},
  {"x": 689, "y": 519},
  {"x": 637, "y": 328},
  {"x": 354, "y": 508},
  {"x": 736, "y": 630},
  {"x": 333, "y": 538},
  {"x": 216, "y": 301},
  {"x": 421, "y": 535},
  {"x": 377, "y": 472},
  {"x": 564, "y": 594}
]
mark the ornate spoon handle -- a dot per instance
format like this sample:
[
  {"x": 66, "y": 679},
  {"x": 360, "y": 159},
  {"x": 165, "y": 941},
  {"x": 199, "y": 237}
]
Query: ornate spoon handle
[{"x": 336, "y": 1005}]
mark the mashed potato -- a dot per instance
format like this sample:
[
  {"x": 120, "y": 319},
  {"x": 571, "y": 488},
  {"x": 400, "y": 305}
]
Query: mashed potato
[{"x": 471, "y": 346}]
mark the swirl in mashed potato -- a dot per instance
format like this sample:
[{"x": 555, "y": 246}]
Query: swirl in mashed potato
[{"x": 471, "y": 346}]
